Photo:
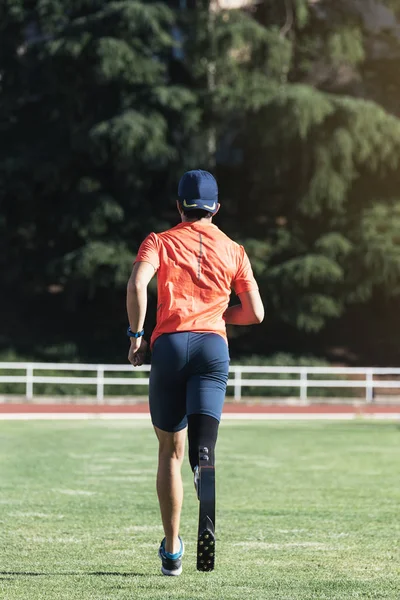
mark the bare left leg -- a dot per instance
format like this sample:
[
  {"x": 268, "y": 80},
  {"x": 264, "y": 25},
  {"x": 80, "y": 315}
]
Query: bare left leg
[{"x": 169, "y": 484}]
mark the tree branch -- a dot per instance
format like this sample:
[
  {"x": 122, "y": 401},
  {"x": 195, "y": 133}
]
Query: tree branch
[{"x": 289, "y": 18}]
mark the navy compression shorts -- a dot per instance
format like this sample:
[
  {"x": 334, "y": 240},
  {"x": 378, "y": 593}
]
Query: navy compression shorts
[{"x": 189, "y": 373}]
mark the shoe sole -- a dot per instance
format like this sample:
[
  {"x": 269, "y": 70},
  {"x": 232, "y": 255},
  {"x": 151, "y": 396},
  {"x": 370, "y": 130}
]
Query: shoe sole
[
  {"x": 206, "y": 550},
  {"x": 173, "y": 573}
]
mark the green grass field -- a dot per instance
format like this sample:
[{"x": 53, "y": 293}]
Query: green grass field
[{"x": 305, "y": 510}]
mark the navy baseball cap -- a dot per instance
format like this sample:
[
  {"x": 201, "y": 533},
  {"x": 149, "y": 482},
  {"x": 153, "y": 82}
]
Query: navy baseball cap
[{"x": 198, "y": 190}]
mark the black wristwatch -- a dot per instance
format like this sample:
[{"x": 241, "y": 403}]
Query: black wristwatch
[{"x": 131, "y": 333}]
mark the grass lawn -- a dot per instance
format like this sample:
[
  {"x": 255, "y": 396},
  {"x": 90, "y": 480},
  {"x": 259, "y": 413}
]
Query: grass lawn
[{"x": 305, "y": 510}]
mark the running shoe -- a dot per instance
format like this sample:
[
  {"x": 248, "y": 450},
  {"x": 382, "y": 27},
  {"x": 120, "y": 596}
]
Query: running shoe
[{"x": 171, "y": 564}]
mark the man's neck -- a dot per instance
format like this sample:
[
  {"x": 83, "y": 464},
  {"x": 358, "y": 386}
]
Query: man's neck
[{"x": 202, "y": 221}]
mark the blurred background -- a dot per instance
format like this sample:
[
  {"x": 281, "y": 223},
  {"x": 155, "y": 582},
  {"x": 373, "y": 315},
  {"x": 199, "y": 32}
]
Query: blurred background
[{"x": 292, "y": 104}]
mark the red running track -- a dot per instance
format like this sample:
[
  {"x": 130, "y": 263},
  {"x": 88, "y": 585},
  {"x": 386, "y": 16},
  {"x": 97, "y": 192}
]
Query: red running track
[{"x": 229, "y": 408}]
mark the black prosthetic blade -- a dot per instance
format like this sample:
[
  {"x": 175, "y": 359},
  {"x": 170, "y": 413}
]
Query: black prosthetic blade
[{"x": 206, "y": 533}]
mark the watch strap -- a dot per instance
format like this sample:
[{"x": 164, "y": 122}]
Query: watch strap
[{"x": 134, "y": 334}]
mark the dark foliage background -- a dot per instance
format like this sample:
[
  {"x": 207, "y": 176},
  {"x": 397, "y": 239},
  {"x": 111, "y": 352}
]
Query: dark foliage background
[{"x": 293, "y": 105}]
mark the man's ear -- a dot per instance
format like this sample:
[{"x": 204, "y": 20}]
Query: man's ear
[
  {"x": 218, "y": 207},
  {"x": 178, "y": 206}
]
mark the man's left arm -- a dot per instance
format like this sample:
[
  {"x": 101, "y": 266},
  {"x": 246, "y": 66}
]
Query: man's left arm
[{"x": 136, "y": 306}]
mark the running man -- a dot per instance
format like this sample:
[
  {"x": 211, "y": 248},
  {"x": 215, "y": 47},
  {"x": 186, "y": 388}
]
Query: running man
[{"x": 197, "y": 265}]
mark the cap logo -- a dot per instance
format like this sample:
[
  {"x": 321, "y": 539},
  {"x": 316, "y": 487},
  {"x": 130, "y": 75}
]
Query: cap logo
[
  {"x": 186, "y": 205},
  {"x": 209, "y": 207}
]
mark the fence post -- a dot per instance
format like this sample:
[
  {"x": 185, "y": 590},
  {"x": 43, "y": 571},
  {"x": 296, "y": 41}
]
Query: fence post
[
  {"x": 303, "y": 384},
  {"x": 100, "y": 383},
  {"x": 238, "y": 385},
  {"x": 29, "y": 382},
  {"x": 369, "y": 386}
]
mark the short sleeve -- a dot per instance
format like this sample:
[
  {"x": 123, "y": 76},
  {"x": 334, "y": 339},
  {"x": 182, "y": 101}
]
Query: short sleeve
[
  {"x": 244, "y": 280},
  {"x": 148, "y": 251}
]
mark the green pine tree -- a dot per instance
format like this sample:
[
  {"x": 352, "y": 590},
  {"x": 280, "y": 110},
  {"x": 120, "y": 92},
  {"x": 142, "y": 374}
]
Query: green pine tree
[
  {"x": 316, "y": 155},
  {"x": 94, "y": 133}
]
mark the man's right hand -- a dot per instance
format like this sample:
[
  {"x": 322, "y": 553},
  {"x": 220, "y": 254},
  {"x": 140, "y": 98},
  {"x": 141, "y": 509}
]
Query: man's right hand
[{"x": 250, "y": 311}]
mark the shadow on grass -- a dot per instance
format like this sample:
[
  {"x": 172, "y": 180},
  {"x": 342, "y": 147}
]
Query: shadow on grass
[
  {"x": 96, "y": 573},
  {"x": 115, "y": 574}
]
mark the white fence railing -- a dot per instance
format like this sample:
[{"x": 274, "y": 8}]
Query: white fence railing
[{"x": 97, "y": 376}]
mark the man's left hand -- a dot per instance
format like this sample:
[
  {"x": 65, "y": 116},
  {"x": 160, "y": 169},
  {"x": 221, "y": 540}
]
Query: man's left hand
[{"x": 137, "y": 351}]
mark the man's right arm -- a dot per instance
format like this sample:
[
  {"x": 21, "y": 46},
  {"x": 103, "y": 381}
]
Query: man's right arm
[{"x": 250, "y": 311}]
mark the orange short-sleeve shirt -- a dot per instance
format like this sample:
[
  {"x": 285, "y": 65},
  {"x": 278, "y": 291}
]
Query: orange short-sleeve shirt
[{"x": 197, "y": 266}]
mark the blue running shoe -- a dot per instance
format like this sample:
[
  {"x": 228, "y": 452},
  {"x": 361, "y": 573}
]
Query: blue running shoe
[
  {"x": 171, "y": 564},
  {"x": 196, "y": 481}
]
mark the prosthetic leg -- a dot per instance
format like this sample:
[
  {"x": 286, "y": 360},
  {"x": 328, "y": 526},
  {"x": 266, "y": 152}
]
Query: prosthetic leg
[{"x": 206, "y": 494}]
